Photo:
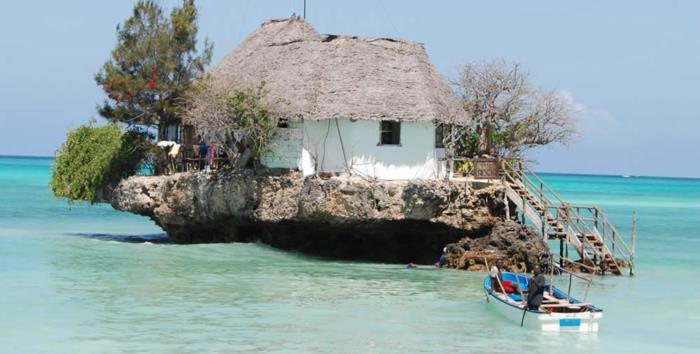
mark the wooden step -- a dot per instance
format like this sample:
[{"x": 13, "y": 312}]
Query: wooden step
[
  {"x": 557, "y": 235},
  {"x": 591, "y": 239}
]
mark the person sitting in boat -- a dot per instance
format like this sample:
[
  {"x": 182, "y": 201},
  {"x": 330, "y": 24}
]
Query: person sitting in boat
[
  {"x": 535, "y": 289},
  {"x": 509, "y": 287},
  {"x": 496, "y": 276}
]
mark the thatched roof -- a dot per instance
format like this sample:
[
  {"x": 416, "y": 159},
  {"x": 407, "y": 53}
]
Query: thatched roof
[{"x": 325, "y": 76}]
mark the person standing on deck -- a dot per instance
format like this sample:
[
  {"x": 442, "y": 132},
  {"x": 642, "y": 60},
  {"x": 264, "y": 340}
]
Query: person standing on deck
[{"x": 535, "y": 289}]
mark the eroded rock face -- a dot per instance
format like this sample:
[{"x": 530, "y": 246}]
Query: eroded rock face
[
  {"x": 517, "y": 246},
  {"x": 347, "y": 217}
]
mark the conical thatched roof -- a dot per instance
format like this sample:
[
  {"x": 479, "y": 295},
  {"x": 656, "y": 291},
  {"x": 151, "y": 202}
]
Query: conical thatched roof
[{"x": 319, "y": 77}]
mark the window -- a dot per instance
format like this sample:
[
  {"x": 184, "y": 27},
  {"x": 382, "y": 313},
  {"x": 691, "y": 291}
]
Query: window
[{"x": 389, "y": 132}]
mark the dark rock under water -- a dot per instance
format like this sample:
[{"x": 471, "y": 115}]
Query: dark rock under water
[{"x": 518, "y": 247}]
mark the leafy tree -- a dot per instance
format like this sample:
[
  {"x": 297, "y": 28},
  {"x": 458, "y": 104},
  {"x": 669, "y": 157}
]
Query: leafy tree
[
  {"x": 94, "y": 158},
  {"x": 509, "y": 114},
  {"x": 153, "y": 64},
  {"x": 230, "y": 118}
]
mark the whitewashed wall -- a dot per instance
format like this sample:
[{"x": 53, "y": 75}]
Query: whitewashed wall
[
  {"x": 286, "y": 147},
  {"x": 415, "y": 158},
  {"x": 312, "y": 146}
]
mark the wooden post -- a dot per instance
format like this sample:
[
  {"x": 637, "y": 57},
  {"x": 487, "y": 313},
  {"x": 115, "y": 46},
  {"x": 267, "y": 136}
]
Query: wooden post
[
  {"x": 507, "y": 207},
  {"x": 520, "y": 290},
  {"x": 633, "y": 241},
  {"x": 551, "y": 274},
  {"x": 595, "y": 221},
  {"x": 522, "y": 212},
  {"x": 588, "y": 287},
  {"x": 503, "y": 290},
  {"x": 543, "y": 220},
  {"x": 561, "y": 252},
  {"x": 634, "y": 233}
]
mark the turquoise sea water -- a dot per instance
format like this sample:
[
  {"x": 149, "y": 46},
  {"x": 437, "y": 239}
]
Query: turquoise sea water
[{"x": 94, "y": 280}]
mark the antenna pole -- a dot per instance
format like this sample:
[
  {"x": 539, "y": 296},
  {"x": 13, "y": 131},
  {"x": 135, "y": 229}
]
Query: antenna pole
[{"x": 305, "y": 9}]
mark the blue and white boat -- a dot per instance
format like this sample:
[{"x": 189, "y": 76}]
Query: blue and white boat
[{"x": 559, "y": 311}]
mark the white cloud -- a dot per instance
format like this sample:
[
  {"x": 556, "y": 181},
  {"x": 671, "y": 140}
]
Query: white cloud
[
  {"x": 588, "y": 118},
  {"x": 568, "y": 97}
]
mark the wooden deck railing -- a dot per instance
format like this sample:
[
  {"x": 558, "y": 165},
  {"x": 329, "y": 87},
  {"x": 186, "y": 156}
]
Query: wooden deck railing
[
  {"x": 586, "y": 227},
  {"x": 187, "y": 161}
]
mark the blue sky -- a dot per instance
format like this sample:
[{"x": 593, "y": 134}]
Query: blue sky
[{"x": 632, "y": 67}]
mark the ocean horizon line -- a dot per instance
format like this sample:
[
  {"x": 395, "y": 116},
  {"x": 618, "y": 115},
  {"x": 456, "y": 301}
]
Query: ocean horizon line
[
  {"x": 42, "y": 157},
  {"x": 617, "y": 175},
  {"x": 37, "y": 157}
]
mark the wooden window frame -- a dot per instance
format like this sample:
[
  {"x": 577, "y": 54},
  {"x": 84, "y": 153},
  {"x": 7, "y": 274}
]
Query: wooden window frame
[{"x": 394, "y": 130}]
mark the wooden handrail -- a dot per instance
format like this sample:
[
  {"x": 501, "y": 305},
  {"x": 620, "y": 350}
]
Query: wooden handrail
[
  {"x": 582, "y": 219},
  {"x": 595, "y": 250},
  {"x": 526, "y": 170},
  {"x": 613, "y": 229}
]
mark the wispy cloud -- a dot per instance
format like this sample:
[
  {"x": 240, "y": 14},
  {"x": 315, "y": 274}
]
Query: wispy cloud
[{"x": 588, "y": 119}]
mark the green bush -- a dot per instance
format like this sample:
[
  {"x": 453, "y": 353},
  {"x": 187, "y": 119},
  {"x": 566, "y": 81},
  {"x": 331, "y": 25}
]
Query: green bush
[
  {"x": 93, "y": 158},
  {"x": 464, "y": 167}
]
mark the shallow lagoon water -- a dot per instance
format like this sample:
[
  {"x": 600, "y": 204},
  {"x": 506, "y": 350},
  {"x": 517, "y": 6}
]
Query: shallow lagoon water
[{"x": 90, "y": 279}]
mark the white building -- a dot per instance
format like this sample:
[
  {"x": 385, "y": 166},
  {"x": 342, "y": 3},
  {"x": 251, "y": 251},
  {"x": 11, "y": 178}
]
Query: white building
[{"x": 367, "y": 106}]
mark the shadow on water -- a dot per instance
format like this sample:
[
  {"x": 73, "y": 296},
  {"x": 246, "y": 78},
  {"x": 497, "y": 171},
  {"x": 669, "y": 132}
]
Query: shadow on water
[{"x": 160, "y": 238}]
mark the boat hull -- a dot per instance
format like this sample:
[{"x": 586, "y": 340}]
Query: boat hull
[
  {"x": 586, "y": 321},
  {"x": 549, "y": 322}
]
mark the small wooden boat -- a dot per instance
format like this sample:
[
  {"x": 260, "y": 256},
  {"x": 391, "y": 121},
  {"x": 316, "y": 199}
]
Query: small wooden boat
[{"x": 559, "y": 311}]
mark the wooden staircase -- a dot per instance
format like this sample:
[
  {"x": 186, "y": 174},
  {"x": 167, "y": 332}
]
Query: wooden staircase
[{"x": 585, "y": 228}]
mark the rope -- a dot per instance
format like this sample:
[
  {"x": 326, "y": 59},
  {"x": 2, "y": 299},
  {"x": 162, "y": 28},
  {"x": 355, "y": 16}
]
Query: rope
[
  {"x": 388, "y": 17},
  {"x": 342, "y": 147},
  {"x": 328, "y": 130}
]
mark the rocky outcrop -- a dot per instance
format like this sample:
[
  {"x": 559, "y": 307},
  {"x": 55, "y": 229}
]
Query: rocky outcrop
[
  {"x": 338, "y": 216},
  {"x": 517, "y": 246}
]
